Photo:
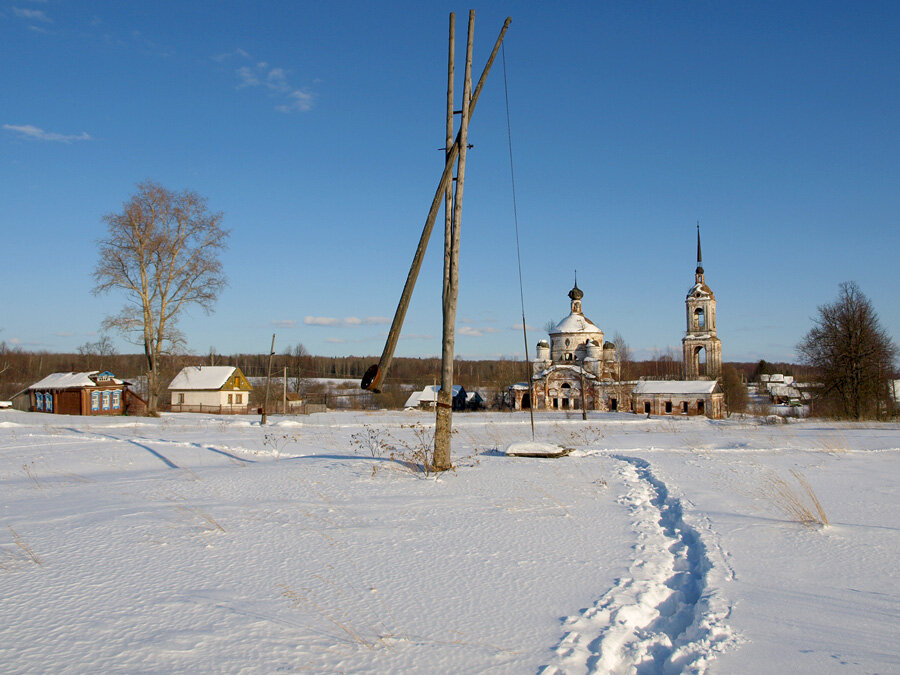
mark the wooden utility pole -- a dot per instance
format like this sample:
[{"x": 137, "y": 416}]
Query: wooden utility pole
[
  {"x": 375, "y": 375},
  {"x": 265, "y": 408},
  {"x": 444, "y": 411}
]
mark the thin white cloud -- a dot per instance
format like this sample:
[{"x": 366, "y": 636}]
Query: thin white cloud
[
  {"x": 272, "y": 79},
  {"x": 321, "y": 321},
  {"x": 334, "y": 341},
  {"x": 36, "y": 133},
  {"x": 32, "y": 14},
  {"x": 346, "y": 321},
  {"x": 471, "y": 331},
  {"x": 518, "y": 326},
  {"x": 219, "y": 58},
  {"x": 284, "y": 323}
]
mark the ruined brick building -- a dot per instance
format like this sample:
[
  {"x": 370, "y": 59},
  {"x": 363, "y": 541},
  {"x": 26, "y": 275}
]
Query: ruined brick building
[{"x": 577, "y": 370}]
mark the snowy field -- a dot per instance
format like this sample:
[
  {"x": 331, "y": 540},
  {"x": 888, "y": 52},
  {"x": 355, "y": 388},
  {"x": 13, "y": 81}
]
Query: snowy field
[{"x": 206, "y": 544}]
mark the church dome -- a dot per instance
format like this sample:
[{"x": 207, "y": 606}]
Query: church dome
[
  {"x": 576, "y": 293},
  {"x": 575, "y": 323}
]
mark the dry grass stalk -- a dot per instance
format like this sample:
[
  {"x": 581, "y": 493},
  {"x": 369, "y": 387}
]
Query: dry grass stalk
[
  {"x": 792, "y": 503},
  {"x": 823, "y": 519},
  {"x": 25, "y": 547},
  {"x": 32, "y": 475},
  {"x": 300, "y": 599}
]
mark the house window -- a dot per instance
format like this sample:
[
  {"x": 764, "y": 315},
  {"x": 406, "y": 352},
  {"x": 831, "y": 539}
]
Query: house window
[
  {"x": 230, "y": 397},
  {"x": 668, "y": 407},
  {"x": 684, "y": 408},
  {"x": 181, "y": 398},
  {"x": 95, "y": 400},
  {"x": 117, "y": 399},
  {"x": 106, "y": 400},
  {"x": 48, "y": 402},
  {"x": 238, "y": 398},
  {"x": 39, "y": 400}
]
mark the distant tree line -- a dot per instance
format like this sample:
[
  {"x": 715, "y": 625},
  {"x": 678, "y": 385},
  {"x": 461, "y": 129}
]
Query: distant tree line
[{"x": 19, "y": 368}]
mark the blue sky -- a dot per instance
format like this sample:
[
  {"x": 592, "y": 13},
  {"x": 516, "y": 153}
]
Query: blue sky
[{"x": 315, "y": 128}]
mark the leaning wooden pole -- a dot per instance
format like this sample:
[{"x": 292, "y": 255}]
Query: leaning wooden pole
[
  {"x": 444, "y": 411},
  {"x": 375, "y": 375}
]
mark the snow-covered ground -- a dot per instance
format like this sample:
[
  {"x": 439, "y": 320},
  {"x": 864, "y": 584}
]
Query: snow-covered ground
[{"x": 195, "y": 543}]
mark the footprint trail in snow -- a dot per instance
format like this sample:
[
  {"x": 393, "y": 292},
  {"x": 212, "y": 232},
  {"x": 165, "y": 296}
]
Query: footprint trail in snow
[{"x": 663, "y": 617}]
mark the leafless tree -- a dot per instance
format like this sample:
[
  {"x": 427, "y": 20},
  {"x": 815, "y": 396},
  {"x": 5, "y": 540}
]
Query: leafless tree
[
  {"x": 162, "y": 252},
  {"x": 853, "y": 354},
  {"x": 623, "y": 356},
  {"x": 96, "y": 353},
  {"x": 297, "y": 362},
  {"x": 735, "y": 389}
]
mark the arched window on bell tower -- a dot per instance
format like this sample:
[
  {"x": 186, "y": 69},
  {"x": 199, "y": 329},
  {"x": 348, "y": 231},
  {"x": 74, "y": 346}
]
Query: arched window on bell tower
[{"x": 699, "y": 319}]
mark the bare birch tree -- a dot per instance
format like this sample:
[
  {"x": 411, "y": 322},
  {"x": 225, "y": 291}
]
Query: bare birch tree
[
  {"x": 853, "y": 354},
  {"x": 162, "y": 252}
]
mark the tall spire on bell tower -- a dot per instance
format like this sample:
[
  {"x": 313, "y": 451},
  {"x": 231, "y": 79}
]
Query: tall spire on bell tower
[
  {"x": 702, "y": 347},
  {"x": 699, "y": 271}
]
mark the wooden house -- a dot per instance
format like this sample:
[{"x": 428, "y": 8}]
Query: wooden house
[
  {"x": 88, "y": 393},
  {"x": 211, "y": 389}
]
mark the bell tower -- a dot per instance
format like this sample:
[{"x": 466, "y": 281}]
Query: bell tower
[{"x": 701, "y": 346}]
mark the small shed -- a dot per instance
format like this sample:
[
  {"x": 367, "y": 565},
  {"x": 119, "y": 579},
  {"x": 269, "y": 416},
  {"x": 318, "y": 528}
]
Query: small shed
[
  {"x": 211, "y": 389},
  {"x": 474, "y": 401},
  {"x": 427, "y": 398},
  {"x": 88, "y": 393},
  {"x": 679, "y": 397}
]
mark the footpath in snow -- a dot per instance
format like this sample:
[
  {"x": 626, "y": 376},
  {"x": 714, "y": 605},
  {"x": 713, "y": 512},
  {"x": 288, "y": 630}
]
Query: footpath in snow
[{"x": 661, "y": 617}]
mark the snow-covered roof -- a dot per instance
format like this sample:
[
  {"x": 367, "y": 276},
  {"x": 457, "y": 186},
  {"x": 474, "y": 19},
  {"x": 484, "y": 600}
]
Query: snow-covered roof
[
  {"x": 675, "y": 387},
  {"x": 428, "y": 395},
  {"x": 202, "y": 377},
  {"x": 578, "y": 370},
  {"x": 575, "y": 323},
  {"x": 71, "y": 380},
  {"x": 702, "y": 289},
  {"x": 784, "y": 391}
]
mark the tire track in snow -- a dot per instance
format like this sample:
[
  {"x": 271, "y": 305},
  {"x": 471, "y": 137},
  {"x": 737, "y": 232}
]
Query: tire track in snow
[{"x": 661, "y": 618}]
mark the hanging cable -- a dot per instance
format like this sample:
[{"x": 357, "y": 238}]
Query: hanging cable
[{"x": 512, "y": 175}]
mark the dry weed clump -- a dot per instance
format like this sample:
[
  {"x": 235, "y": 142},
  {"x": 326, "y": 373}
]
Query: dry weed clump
[
  {"x": 278, "y": 441},
  {"x": 414, "y": 455},
  {"x": 800, "y": 505}
]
